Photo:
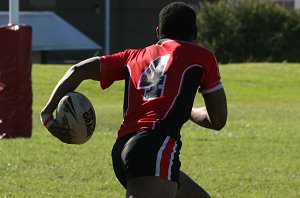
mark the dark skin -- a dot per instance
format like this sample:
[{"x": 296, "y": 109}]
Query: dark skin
[
  {"x": 213, "y": 116},
  {"x": 87, "y": 69}
]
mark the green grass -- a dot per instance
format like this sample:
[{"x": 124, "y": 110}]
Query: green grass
[{"x": 256, "y": 155}]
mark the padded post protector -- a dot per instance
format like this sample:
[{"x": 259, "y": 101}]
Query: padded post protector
[{"x": 15, "y": 81}]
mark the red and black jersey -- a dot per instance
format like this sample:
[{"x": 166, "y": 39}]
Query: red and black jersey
[{"x": 161, "y": 83}]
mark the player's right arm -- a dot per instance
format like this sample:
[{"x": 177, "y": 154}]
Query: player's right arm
[{"x": 87, "y": 69}]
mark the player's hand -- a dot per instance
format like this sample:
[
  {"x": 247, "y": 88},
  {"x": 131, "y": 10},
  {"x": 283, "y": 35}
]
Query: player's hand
[{"x": 57, "y": 130}]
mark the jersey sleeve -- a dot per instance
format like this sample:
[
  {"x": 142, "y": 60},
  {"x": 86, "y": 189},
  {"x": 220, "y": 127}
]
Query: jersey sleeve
[
  {"x": 113, "y": 68},
  {"x": 211, "y": 79}
]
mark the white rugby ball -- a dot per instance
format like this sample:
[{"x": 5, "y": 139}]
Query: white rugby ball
[{"x": 76, "y": 112}]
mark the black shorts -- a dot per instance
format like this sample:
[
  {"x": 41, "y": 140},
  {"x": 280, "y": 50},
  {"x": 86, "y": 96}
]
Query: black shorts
[{"x": 146, "y": 153}]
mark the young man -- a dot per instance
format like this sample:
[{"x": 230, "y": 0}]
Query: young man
[{"x": 161, "y": 81}]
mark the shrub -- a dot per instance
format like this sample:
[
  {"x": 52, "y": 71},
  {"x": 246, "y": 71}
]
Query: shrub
[
  {"x": 291, "y": 47},
  {"x": 248, "y": 30}
]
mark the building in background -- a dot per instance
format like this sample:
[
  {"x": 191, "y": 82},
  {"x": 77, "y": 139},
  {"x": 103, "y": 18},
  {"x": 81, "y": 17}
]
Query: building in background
[
  {"x": 297, "y": 4},
  {"x": 132, "y": 23},
  {"x": 53, "y": 38},
  {"x": 288, "y": 4}
]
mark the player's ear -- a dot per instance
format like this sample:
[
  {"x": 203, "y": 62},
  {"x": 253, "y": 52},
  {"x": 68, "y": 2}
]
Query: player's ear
[{"x": 157, "y": 33}]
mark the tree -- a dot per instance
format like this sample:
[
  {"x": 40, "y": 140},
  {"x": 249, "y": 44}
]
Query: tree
[{"x": 249, "y": 30}]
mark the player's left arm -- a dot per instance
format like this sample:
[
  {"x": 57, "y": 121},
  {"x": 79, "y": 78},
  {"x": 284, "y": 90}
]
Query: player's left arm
[
  {"x": 87, "y": 69},
  {"x": 214, "y": 114}
]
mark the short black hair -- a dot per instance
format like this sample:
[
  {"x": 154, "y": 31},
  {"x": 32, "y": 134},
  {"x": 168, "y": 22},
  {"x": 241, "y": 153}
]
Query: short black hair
[{"x": 177, "y": 21}]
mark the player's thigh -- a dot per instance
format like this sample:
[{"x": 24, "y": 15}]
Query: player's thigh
[
  {"x": 190, "y": 189},
  {"x": 151, "y": 187}
]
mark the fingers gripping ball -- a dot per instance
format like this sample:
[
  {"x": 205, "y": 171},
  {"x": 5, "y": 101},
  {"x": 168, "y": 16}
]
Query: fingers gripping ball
[{"x": 76, "y": 112}]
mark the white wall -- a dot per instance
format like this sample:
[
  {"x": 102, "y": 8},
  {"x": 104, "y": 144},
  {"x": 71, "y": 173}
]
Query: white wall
[{"x": 297, "y": 4}]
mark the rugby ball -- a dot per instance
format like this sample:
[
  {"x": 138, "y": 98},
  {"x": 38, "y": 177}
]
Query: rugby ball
[{"x": 76, "y": 112}]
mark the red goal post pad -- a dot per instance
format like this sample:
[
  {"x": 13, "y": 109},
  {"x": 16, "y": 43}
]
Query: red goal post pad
[{"x": 15, "y": 81}]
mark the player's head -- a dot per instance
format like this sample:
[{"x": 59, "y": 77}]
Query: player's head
[{"x": 177, "y": 21}]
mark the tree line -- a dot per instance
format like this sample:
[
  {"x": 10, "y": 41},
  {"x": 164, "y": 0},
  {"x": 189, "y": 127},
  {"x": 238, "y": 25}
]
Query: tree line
[{"x": 249, "y": 31}]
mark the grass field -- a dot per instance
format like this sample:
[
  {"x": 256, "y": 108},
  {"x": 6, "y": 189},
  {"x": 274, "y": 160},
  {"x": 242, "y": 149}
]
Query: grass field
[{"x": 257, "y": 155}]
